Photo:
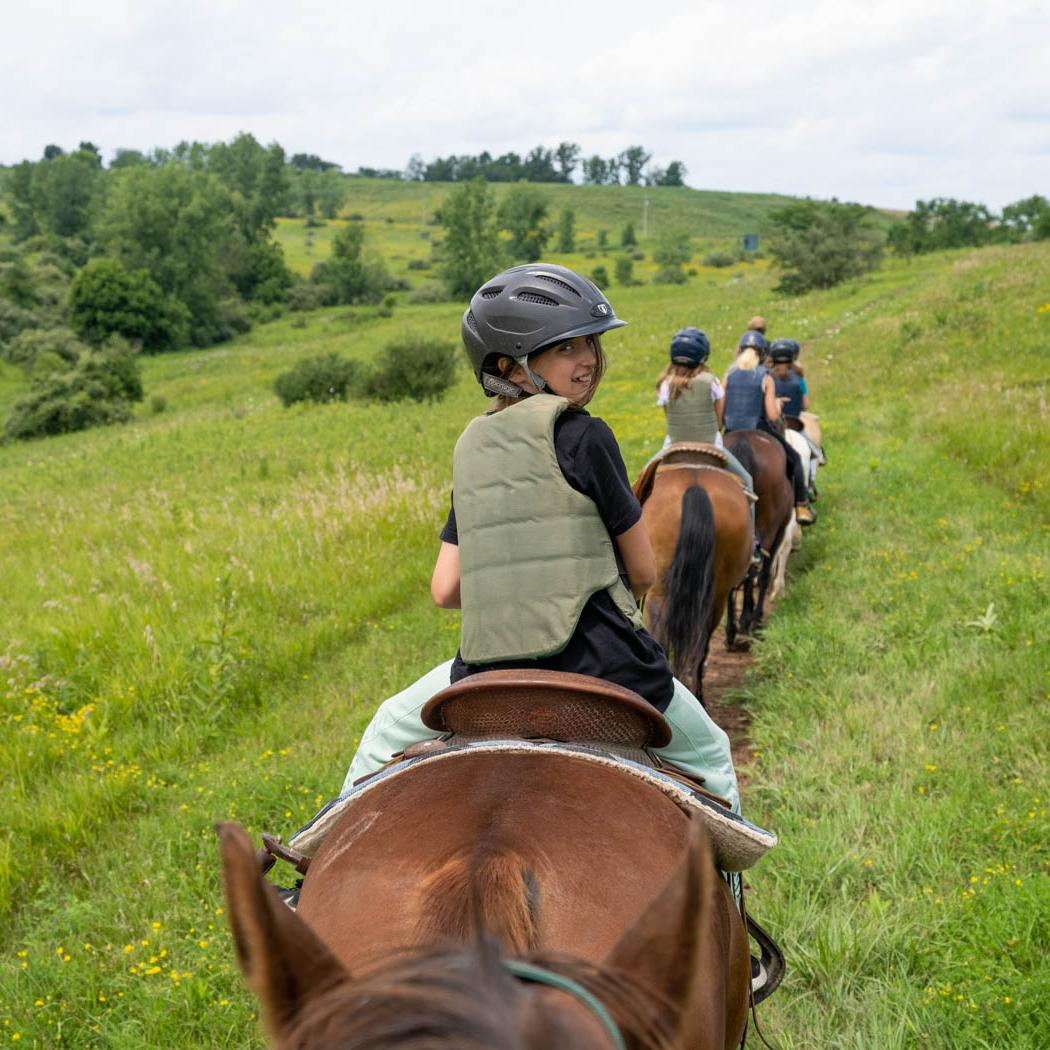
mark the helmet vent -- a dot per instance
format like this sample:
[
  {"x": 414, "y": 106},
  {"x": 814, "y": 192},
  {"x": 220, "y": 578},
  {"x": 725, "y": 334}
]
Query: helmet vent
[
  {"x": 563, "y": 285},
  {"x": 471, "y": 323},
  {"x": 491, "y": 293},
  {"x": 536, "y": 297}
]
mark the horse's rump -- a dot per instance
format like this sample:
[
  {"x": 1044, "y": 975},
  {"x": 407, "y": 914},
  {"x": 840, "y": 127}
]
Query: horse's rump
[{"x": 396, "y": 872}]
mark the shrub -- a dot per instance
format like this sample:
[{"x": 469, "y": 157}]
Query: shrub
[
  {"x": 304, "y": 296},
  {"x": 157, "y": 404},
  {"x": 603, "y": 240},
  {"x": 419, "y": 264},
  {"x": 670, "y": 275},
  {"x": 600, "y": 276},
  {"x": 638, "y": 256},
  {"x": 411, "y": 367},
  {"x": 625, "y": 271},
  {"x": 326, "y": 377},
  {"x": 628, "y": 238},
  {"x": 99, "y": 389},
  {"x": 718, "y": 259},
  {"x": 819, "y": 245},
  {"x": 429, "y": 292},
  {"x": 30, "y": 348}
]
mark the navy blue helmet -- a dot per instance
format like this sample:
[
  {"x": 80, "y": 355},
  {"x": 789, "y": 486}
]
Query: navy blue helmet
[
  {"x": 754, "y": 340},
  {"x": 690, "y": 346}
]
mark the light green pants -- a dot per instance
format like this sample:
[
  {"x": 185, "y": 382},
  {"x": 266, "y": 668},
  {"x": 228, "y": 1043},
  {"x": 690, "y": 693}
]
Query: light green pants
[{"x": 697, "y": 744}]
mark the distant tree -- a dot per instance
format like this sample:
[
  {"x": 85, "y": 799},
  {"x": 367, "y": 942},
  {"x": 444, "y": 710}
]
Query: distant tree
[
  {"x": 310, "y": 162},
  {"x": 128, "y": 158},
  {"x": 472, "y": 248},
  {"x": 91, "y": 148},
  {"x": 52, "y": 151},
  {"x": 944, "y": 223},
  {"x": 633, "y": 161},
  {"x": 57, "y": 195},
  {"x": 628, "y": 238},
  {"x": 106, "y": 298},
  {"x": 568, "y": 154},
  {"x": 176, "y": 224},
  {"x": 672, "y": 252},
  {"x": 539, "y": 166},
  {"x": 567, "y": 231},
  {"x": 415, "y": 169},
  {"x": 257, "y": 179},
  {"x": 613, "y": 166},
  {"x": 672, "y": 175},
  {"x": 625, "y": 271},
  {"x": 522, "y": 213},
  {"x": 600, "y": 276},
  {"x": 603, "y": 240},
  {"x": 820, "y": 244},
  {"x": 596, "y": 170},
  {"x": 331, "y": 192},
  {"x": 1028, "y": 219},
  {"x": 347, "y": 276}
]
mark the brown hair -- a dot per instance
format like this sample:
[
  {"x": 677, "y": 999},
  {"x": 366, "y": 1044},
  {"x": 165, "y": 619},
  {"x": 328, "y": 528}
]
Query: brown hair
[{"x": 679, "y": 377}]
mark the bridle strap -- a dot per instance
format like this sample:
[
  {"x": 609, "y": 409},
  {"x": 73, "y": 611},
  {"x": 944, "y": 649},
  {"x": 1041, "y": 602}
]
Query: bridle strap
[{"x": 538, "y": 975}]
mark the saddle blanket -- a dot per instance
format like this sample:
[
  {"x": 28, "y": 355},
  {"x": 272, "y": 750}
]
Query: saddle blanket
[{"x": 737, "y": 843}]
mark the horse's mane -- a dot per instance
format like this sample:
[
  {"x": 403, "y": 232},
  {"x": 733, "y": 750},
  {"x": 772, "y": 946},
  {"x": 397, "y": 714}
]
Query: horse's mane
[{"x": 465, "y": 998}]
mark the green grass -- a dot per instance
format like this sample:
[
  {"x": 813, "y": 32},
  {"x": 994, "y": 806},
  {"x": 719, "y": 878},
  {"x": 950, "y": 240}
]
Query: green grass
[{"x": 202, "y": 608}]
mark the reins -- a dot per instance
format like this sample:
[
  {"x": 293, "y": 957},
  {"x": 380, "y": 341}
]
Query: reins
[{"x": 538, "y": 975}]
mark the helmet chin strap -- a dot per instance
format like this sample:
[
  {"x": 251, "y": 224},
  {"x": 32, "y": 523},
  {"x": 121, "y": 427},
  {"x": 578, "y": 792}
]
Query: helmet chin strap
[
  {"x": 507, "y": 388},
  {"x": 537, "y": 381}
]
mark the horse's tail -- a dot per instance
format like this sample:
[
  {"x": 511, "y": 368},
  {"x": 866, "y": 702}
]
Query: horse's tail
[
  {"x": 689, "y": 584},
  {"x": 745, "y": 454},
  {"x": 491, "y": 892}
]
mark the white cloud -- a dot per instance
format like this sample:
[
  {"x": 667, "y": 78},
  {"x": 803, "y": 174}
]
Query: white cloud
[{"x": 878, "y": 101}]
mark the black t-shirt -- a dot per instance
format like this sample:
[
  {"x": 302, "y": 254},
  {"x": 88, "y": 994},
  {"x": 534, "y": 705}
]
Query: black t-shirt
[{"x": 604, "y": 644}]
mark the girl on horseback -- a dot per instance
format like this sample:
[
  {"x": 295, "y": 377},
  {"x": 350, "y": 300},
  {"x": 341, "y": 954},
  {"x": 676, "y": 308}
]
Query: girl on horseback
[
  {"x": 544, "y": 550},
  {"x": 751, "y": 404},
  {"x": 693, "y": 399}
]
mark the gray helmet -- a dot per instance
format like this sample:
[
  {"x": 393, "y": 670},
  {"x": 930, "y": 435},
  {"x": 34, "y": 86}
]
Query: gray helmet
[
  {"x": 526, "y": 309},
  {"x": 782, "y": 351}
]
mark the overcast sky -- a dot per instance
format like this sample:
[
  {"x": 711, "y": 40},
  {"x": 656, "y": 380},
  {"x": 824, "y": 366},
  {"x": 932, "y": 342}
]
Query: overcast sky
[{"x": 879, "y": 102}]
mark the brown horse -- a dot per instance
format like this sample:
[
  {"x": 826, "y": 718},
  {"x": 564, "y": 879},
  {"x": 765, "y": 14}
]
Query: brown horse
[
  {"x": 699, "y": 524},
  {"x": 763, "y": 457},
  {"x": 545, "y": 853}
]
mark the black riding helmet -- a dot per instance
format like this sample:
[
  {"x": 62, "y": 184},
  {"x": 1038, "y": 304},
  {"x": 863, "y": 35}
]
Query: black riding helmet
[
  {"x": 527, "y": 309},
  {"x": 783, "y": 351},
  {"x": 690, "y": 346}
]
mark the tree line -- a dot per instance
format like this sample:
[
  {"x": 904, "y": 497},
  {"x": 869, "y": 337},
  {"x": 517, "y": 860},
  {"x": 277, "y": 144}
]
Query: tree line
[{"x": 630, "y": 167}]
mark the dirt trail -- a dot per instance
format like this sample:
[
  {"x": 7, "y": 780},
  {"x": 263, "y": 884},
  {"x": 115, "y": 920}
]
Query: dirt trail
[{"x": 724, "y": 672}]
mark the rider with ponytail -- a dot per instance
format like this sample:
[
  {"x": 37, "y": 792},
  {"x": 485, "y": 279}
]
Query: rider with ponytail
[
  {"x": 544, "y": 550},
  {"x": 693, "y": 399},
  {"x": 751, "y": 404}
]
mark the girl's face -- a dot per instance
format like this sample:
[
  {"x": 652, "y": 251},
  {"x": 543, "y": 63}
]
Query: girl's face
[{"x": 570, "y": 369}]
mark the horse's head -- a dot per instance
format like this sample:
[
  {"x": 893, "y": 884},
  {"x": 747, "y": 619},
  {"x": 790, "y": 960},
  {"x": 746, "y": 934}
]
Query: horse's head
[{"x": 466, "y": 997}]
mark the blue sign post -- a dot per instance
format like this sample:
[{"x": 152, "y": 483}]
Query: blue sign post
[{"x": 750, "y": 242}]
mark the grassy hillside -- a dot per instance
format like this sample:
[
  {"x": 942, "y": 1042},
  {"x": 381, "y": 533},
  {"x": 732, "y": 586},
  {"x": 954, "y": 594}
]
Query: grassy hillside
[
  {"x": 201, "y": 610},
  {"x": 400, "y": 224}
]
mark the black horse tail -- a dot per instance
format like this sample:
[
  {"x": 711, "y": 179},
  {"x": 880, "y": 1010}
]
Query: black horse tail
[
  {"x": 689, "y": 585},
  {"x": 741, "y": 448}
]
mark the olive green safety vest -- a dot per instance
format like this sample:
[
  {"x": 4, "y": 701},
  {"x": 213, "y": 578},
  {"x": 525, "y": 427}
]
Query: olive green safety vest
[
  {"x": 691, "y": 415},
  {"x": 532, "y": 549}
]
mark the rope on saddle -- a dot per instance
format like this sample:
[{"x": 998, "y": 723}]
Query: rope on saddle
[{"x": 538, "y": 975}]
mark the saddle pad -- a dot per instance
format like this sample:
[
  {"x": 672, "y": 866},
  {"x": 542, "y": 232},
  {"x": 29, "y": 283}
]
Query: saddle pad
[{"x": 737, "y": 843}]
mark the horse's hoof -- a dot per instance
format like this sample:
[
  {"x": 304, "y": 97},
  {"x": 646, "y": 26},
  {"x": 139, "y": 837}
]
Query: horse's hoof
[{"x": 740, "y": 644}]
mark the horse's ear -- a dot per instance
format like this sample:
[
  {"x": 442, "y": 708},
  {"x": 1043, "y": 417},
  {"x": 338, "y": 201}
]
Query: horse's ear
[
  {"x": 663, "y": 948},
  {"x": 284, "y": 961}
]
